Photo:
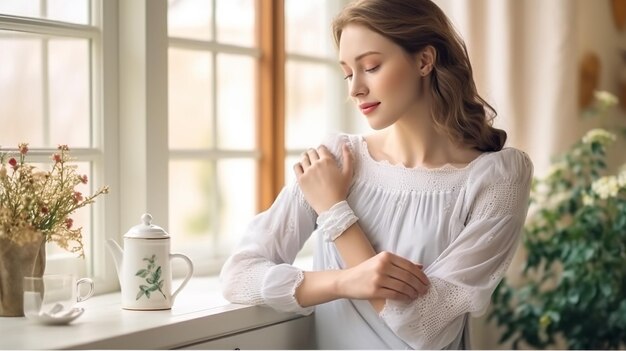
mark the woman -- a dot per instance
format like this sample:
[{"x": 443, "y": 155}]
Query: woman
[{"x": 417, "y": 222}]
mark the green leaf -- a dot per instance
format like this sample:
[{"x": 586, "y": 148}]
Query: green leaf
[
  {"x": 606, "y": 288},
  {"x": 142, "y": 273},
  {"x": 143, "y": 287},
  {"x": 149, "y": 280},
  {"x": 154, "y": 288},
  {"x": 139, "y": 295},
  {"x": 148, "y": 293},
  {"x": 157, "y": 274},
  {"x": 573, "y": 296}
]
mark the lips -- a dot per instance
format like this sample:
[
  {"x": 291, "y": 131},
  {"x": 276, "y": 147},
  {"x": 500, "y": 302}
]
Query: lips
[{"x": 368, "y": 107}]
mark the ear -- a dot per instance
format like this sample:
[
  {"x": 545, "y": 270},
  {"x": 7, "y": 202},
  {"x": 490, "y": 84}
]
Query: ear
[{"x": 425, "y": 60}]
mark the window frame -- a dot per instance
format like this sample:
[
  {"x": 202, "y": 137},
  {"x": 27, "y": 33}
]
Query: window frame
[
  {"x": 129, "y": 64},
  {"x": 103, "y": 127}
]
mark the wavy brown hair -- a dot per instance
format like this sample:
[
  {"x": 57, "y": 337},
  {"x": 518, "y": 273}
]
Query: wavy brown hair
[{"x": 458, "y": 110}]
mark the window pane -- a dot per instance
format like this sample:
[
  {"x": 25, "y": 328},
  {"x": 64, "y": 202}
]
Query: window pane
[
  {"x": 312, "y": 104},
  {"x": 190, "y": 19},
  {"x": 69, "y": 94},
  {"x": 236, "y": 201},
  {"x": 236, "y": 100},
  {"x": 191, "y": 207},
  {"x": 21, "y": 108},
  {"x": 29, "y": 8},
  {"x": 190, "y": 99},
  {"x": 65, "y": 119},
  {"x": 307, "y": 27},
  {"x": 74, "y": 11},
  {"x": 236, "y": 22}
]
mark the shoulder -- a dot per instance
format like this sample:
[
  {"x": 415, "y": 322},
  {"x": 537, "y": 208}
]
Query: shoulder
[
  {"x": 334, "y": 142},
  {"x": 508, "y": 165}
]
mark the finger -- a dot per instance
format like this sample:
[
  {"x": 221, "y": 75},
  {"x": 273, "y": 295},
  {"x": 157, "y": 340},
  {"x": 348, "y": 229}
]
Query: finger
[
  {"x": 398, "y": 286},
  {"x": 419, "y": 273},
  {"x": 391, "y": 294},
  {"x": 304, "y": 160},
  {"x": 409, "y": 266},
  {"x": 348, "y": 161},
  {"x": 407, "y": 279},
  {"x": 297, "y": 168},
  {"x": 313, "y": 156},
  {"x": 324, "y": 153}
]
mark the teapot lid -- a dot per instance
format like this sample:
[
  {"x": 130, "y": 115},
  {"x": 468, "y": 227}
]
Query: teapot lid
[{"x": 146, "y": 230}]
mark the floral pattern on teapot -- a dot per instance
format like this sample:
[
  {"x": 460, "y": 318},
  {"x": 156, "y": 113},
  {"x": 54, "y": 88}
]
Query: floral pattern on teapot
[{"x": 152, "y": 278}]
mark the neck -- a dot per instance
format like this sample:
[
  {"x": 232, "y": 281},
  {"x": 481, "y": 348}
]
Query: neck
[{"x": 414, "y": 141}]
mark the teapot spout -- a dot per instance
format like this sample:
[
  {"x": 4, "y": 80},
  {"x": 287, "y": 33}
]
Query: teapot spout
[{"x": 117, "y": 253}]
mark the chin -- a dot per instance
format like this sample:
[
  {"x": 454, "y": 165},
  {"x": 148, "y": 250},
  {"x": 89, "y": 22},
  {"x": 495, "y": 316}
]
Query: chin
[{"x": 378, "y": 123}]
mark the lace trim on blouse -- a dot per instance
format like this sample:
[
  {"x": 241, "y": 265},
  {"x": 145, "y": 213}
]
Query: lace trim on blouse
[{"x": 373, "y": 173}]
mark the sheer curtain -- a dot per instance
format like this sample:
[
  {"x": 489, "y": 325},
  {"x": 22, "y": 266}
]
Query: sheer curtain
[{"x": 524, "y": 56}]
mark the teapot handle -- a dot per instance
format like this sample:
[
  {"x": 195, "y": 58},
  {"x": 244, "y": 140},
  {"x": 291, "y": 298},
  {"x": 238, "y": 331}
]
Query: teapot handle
[{"x": 190, "y": 265}]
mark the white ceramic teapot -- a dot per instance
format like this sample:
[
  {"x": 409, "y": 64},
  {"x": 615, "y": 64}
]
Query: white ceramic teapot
[{"x": 143, "y": 267}]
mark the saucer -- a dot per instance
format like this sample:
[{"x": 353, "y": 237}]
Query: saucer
[
  {"x": 59, "y": 318},
  {"x": 57, "y": 315}
]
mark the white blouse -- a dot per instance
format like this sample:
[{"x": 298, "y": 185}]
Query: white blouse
[{"x": 462, "y": 224}]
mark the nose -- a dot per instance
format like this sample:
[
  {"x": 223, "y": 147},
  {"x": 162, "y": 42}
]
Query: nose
[{"x": 358, "y": 87}]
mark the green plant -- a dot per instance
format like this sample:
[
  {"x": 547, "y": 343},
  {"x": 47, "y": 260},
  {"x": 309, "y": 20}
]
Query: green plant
[{"x": 574, "y": 278}]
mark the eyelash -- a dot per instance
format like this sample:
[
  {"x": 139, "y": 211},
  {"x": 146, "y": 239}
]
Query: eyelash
[{"x": 371, "y": 70}]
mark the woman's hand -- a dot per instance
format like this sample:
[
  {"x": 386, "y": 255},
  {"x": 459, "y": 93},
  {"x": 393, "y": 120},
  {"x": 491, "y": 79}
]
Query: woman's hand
[
  {"x": 384, "y": 276},
  {"x": 322, "y": 182}
]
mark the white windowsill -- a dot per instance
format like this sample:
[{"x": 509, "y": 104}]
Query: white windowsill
[{"x": 200, "y": 313}]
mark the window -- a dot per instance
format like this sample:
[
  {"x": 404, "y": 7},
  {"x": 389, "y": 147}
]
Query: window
[
  {"x": 315, "y": 92},
  {"x": 193, "y": 110},
  {"x": 218, "y": 145},
  {"x": 213, "y": 55},
  {"x": 52, "y": 93}
]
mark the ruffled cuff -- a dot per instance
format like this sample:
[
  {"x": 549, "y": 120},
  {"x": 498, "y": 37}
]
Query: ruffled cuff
[
  {"x": 332, "y": 223},
  {"x": 279, "y": 289}
]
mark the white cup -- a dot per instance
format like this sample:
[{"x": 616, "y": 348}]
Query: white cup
[{"x": 53, "y": 295}]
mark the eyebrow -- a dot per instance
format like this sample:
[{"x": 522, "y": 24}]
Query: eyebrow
[{"x": 367, "y": 53}]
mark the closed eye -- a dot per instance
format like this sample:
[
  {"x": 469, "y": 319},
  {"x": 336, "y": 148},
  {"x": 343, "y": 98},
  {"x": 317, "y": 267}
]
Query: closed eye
[
  {"x": 348, "y": 77},
  {"x": 373, "y": 69}
]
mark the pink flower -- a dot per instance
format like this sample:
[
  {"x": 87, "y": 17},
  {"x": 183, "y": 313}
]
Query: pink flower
[
  {"x": 83, "y": 179},
  {"x": 78, "y": 196},
  {"x": 44, "y": 210},
  {"x": 68, "y": 223},
  {"x": 13, "y": 162},
  {"x": 23, "y": 148},
  {"x": 63, "y": 147},
  {"x": 56, "y": 158}
]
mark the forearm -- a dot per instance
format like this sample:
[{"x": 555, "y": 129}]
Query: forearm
[
  {"x": 355, "y": 248},
  {"x": 318, "y": 287}
]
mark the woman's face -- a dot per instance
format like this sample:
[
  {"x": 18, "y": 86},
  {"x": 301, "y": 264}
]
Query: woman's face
[{"x": 383, "y": 80}]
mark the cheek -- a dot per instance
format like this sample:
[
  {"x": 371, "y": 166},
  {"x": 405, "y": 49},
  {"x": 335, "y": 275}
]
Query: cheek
[{"x": 400, "y": 82}]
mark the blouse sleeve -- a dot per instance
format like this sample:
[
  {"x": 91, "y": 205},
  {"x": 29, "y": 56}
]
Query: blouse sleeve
[
  {"x": 466, "y": 273},
  {"x": 261, "y": 271}
]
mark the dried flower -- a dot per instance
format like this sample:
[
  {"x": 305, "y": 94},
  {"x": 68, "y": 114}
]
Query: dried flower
[
  {"x": 34, "y": 202},
  {"x": 23, "y": 147}
]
